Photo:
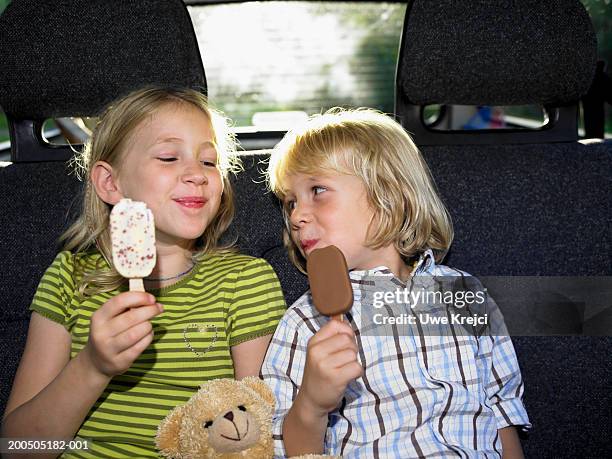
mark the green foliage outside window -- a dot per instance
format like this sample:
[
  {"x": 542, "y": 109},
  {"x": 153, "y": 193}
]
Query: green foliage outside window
[
  {"x": 4, "y": 135},
  {"x": 4, "y": 4}
]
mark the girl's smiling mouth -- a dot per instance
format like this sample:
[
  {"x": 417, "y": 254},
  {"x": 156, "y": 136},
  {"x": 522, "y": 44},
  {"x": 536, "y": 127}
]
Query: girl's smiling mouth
[{"x": 192, "y": 202}]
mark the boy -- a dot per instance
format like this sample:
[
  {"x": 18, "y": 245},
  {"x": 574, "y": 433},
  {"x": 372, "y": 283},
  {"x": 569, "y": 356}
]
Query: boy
[{"x": 355, "y": 179}]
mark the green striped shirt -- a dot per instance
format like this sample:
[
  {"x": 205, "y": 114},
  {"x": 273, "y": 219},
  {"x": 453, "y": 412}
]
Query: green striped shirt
[{"x": 224, "y": 301}]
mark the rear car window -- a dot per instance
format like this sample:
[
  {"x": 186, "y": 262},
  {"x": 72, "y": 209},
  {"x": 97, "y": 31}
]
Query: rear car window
[
  {"x": 263, "y": 57},
  {"x": 269, "y": 64}
]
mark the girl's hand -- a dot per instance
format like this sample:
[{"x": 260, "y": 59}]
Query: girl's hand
[
  {"x": 331, "y": 363},
  {"x": 120, "y": 331}
]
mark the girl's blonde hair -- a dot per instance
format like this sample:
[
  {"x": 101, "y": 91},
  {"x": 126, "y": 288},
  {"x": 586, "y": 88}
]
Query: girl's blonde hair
[
  {"x": 408, "y": 212},
  {"x": 107, "y": 143}
]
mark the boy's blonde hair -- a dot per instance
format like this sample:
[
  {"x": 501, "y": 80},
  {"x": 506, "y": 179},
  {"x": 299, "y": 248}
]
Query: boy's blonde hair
[
  {"x": 107, "y": 143},
  {"x": 408, "y": 212}
]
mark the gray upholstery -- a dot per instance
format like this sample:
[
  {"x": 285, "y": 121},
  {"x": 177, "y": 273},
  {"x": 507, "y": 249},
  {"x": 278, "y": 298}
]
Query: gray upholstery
[
  {"x": 503, "y": 52},
  {"x": 38, "y": 200},
  {"x": 71, "y": 58},
  {"x": 527, "y": 210},
  {"x": 541, "y": 210},
  {"x": 257, "y": 226}
]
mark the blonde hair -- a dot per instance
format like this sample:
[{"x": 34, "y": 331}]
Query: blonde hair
[
  {"x": 107, "y": 143},
  {"x": 366, "y": 143}
]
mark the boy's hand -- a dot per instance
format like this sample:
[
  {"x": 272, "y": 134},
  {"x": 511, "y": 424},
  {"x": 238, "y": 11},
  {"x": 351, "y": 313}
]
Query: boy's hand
[
  {"x": 331, "y": 363},
  {"x": 120, "y": 330}
]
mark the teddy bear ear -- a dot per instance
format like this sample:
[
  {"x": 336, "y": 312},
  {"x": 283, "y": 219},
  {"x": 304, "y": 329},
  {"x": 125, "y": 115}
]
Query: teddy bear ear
[
  {"x": 260, "y": 387},
  {"x": 167, "y": 438}
]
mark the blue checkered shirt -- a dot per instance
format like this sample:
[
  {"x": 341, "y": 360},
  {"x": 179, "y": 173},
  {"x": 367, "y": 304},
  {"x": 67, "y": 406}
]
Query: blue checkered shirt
[{"x": 421, "y": 395}]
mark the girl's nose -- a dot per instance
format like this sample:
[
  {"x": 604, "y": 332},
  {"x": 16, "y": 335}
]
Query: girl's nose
[{"x": 195, "y": 174}]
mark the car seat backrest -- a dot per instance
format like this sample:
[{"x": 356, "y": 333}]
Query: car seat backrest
[
  {"x": 523, "y": 203},
  {"x": 63, "y": 59},
  {"x": 515, "y": 189}
]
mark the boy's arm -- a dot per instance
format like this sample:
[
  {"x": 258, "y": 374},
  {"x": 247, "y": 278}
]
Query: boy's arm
[
  {"x": 304, "y": 429},
  {"x": 331, "y": 363},
  {"x": 511, "y": 445},
  {"x": 299, "y": 425},
  {"x": 505, "y": 385},
  {"x": 282, "y": 371}
]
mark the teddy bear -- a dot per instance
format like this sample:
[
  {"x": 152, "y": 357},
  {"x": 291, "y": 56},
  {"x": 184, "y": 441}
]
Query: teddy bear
[{"x": 225, "y": 419}]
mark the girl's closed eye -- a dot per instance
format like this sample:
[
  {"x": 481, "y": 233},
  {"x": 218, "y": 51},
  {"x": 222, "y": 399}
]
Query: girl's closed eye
[
  {"x": 209, "y": 162},
  {"x": 167, "y": 158}
]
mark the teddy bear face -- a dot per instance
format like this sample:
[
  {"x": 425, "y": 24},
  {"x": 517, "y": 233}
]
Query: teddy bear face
[
  {"x": 224, "y": 419},
  {"x": 233, "y": 431}
]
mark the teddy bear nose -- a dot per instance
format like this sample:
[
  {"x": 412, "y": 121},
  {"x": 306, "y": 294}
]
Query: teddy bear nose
[{"x": 229, "y": 416}]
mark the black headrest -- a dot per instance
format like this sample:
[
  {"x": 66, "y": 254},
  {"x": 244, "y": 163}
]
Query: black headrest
[
  {"x": 71, "y": 58},
  {"x": 483, "y": 52}
]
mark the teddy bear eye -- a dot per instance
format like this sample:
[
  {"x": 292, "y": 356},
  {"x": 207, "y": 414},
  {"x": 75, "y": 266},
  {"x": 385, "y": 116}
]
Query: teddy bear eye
[
  {"x": 241, "y": 407},
  {"x": 207, "y": 424}
]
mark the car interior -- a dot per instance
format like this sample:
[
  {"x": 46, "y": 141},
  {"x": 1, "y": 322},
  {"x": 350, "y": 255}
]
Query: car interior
[{"x": 524, "y": 202}]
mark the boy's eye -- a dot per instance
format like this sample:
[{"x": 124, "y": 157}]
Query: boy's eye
[
  {"x": 209, "y": 163},
  {"x": 167, "y": 159},
  {"x": 290, "y": 205},
  {"x": 318, "y": 189}
]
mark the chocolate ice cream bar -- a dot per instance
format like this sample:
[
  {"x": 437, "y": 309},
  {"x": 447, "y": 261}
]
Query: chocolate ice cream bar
[{"x": 330, "y": 285}]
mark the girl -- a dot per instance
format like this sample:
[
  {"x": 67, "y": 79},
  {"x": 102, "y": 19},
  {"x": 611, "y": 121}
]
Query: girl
[
  {"x": 105, "y": 364},
  {"x": 355, "y": 179}
]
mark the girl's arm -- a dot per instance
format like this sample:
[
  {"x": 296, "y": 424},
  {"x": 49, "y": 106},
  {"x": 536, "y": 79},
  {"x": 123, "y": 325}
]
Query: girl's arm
[
  {"x": 51, "y": 394},
  {"x": 255, "y": 308},
  {"x": 511, "y": 445},
  {"x": 248, "y": 356}
]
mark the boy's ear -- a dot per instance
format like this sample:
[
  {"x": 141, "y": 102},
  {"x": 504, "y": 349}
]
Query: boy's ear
[{"x": 105, "y": 183}]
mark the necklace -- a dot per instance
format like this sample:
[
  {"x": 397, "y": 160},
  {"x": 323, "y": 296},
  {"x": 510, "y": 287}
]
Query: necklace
[{"x": 161, "y": 279}]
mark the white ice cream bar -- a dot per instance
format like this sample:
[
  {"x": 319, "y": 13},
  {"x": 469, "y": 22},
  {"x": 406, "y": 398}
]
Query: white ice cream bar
[{"x": 133, "y": 238}]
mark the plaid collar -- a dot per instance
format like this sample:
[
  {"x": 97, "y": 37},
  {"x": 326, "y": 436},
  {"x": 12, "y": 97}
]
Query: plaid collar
[{"x": 424, "y": 266}]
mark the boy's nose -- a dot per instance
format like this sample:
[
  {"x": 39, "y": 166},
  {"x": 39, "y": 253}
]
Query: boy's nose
[{"x": 301, "y": 214}]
